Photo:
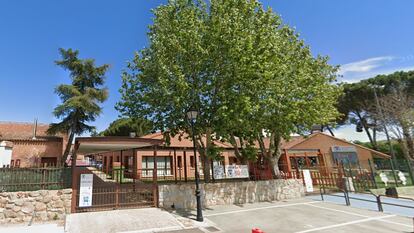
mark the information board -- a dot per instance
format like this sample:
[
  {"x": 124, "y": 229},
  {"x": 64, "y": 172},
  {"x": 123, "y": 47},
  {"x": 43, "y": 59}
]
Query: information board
[
  {"x": 308, "y": 180},
  {"x": 85, "y": 190}
]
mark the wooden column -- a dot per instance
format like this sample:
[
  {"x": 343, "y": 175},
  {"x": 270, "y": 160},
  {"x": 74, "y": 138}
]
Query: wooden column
[
  {"x": 185, "y": 165},
  {"x": 175, "y": 165},
  {"x": 75, "y": 178}
]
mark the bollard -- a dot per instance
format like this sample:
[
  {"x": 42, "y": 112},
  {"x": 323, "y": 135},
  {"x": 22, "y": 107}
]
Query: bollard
[{"x": 257, "y": 230}]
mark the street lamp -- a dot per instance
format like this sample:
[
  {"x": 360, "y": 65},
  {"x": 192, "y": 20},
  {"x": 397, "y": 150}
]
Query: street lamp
[{"x": 192, "y": 116}]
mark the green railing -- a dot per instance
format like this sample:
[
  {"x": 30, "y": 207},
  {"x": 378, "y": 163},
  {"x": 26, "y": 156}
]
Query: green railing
[{"x": 31, "y": 179}]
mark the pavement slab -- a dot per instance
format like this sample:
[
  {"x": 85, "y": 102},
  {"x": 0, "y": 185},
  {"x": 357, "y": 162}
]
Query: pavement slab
[{"x": 122, "y": 221}]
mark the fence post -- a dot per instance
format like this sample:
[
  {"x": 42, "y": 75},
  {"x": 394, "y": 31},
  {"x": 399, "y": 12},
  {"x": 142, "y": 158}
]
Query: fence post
[
  {"x": 379, "y": 203},
  {"x": 393, "y": 172},
  {"x": 410, "y": 170},
  {"x": 372, "y": 173}
]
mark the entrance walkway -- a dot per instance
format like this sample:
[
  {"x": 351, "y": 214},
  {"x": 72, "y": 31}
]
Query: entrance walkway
[{"x": 131, "y": 220}]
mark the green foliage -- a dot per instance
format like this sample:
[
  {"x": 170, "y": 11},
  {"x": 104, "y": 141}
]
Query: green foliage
[
  {"x": 81, "y": 98},
  {"x": 382, "y": 146},
  {"x": 124, "y": 126},
  {"x": 234, "y": 61}
]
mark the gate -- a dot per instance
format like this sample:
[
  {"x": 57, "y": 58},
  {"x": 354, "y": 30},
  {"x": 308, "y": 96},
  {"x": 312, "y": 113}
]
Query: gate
[{"x": 114, "y": 191}]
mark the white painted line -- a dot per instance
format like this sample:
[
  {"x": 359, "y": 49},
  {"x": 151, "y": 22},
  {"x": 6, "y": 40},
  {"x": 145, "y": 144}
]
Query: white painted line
[
  {"x": 151, "y": 230},
  {"x": 346, "y": 223},
  {"x": 359, "y": 215},
  {"x": 261, "y": 208},
  {"x": 341, "y": 211}
]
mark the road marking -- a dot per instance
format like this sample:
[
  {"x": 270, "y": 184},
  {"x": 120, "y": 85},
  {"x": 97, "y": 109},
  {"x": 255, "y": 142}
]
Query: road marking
[
  {"x": 261, "y": 208},
  {"x": 359, "y": 215},
  {"x": 346, "y": 223}
]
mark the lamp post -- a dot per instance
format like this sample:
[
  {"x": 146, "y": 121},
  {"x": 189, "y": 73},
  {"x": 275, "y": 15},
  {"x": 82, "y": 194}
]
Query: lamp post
[{"x": 192, "y": 116}]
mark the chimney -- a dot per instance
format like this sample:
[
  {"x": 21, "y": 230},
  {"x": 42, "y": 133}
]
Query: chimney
[{"x": 34, "y": 128}]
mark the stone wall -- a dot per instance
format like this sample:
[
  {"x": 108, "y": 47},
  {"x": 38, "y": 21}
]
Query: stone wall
[
  {"x": 44, "y": 205},
  {"x": 181, "y": 196}
]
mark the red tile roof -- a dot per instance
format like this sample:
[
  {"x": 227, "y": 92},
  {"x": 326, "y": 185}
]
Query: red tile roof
[{"x": 23, "y": 131}]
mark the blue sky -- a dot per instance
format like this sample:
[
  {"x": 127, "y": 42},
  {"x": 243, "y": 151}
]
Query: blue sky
[{"x": 366, "y": 37}]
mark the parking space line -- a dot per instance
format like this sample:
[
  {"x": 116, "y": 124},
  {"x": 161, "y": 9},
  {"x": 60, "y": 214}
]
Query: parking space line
[
  {"x": 260, "y": 208},
  {"x": 359, "y": 215},
  {"x": 341, "y": 211},
  {"x": 346, "y": 223}
]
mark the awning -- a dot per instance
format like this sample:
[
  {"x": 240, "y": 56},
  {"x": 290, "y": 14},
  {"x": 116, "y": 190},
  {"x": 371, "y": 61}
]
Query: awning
[{"x": 95, "y": 145}]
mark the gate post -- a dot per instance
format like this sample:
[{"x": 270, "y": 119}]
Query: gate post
[{"x": 75, "y": 178}]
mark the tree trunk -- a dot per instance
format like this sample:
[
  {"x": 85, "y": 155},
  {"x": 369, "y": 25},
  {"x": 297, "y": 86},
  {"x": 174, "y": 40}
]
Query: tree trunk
[
  {"x": 275, "y": 156},
  {"x": 408, "y": 140},
  {"x": 366, "y": 128},
  {"x": 330, "y": 131},
  {"x": 68, "y": 147},
  {"x": 205, "y": 159}
]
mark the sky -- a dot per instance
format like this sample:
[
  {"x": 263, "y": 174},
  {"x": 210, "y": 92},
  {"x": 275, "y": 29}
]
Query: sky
[{"x": 365, "y": 38}]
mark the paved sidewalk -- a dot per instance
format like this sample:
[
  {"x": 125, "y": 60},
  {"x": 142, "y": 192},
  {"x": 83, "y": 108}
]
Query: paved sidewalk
[
  {"x": 42, "y": 228},
  {"x": 131, "y": 221}
]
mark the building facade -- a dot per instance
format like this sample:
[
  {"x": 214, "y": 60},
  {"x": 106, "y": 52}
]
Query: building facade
[
  {"x": 176, "y": 160},
  {"x": 29, "y": 145}
]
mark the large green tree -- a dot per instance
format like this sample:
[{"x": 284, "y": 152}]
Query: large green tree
[
  {"x": 249, "y": 76},
  {"x": 80, "y": 99},
  {"x": 125, "y": 126},
  {"x": 395, "y": 107}
]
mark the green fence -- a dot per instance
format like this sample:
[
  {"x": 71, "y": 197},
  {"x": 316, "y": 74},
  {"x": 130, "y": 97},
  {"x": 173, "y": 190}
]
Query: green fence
[
  {"x": 31, "y": 179},
  {"x": 395, "y": 171}
]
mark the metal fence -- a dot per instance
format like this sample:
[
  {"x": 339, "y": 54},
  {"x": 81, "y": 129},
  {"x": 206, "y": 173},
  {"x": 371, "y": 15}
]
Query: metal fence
[{"x": 34, "y": 178}]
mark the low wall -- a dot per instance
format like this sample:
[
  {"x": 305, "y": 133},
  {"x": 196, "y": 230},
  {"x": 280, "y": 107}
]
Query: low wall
[
  {"x": 44, "y": 205},
  {"x": 181, "y": 196}
]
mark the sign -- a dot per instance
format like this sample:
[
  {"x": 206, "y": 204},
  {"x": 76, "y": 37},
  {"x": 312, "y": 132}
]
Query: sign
[
  {"x": 339, "y": 149},
  {"x": 237, "y": 171},
  {"x": 231, "y": 171},
  {"x": 308, "y": 180},
  {"x": 218, "y": 171},
  {"x": 85, "y": 190}
]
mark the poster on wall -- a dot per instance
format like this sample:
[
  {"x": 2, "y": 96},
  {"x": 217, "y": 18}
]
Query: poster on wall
[
  {"x": 237, "y": 171},
  {"x": 85, "y": 190},
  {"x": 230, "y": 171},
  {"x": 218, "y": 172},
  {"x": 308, "y": 180}
]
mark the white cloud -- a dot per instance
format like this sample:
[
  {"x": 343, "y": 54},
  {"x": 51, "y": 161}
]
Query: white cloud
[
  {"x": 364, "y": 65},
  {"x": 368, "y": 68}
]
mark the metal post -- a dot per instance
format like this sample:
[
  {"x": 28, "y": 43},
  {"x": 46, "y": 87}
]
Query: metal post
[
  {"x": 372, "y": 174},
  {"x": 393, "y": 173},
  {"x": 410, "y": 171},
  {"x": 197, "y": 178},
  {"x": 379, "y": 204}
]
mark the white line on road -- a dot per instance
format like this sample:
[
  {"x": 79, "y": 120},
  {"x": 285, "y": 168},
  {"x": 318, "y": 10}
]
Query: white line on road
[
  {"x": 346, "y": 223},
  {"x": 261, "y": 208},
  {"x": 359, "y": 215}
]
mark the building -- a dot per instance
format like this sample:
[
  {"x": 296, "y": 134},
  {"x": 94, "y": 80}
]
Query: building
[
  {"x": 27, "y": 144},
  {"x": 320, "y": 149},
  {"x": 176, "y": 160}
]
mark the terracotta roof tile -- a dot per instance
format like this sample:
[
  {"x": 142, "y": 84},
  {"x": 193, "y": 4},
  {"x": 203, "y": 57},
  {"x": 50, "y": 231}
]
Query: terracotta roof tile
[{"x": 23, "y": 131}]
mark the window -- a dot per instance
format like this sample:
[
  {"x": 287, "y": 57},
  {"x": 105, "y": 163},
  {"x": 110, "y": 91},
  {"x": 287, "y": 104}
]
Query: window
[
  {"x": 345, "y": 154},
  {"x": 163, "y": 165},
  {"x": 12, "y": 163},
  {"x": 17, "y": 163}
]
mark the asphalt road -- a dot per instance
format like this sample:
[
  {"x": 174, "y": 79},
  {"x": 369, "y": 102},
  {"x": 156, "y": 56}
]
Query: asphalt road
[{"x": 304, "y": 215}]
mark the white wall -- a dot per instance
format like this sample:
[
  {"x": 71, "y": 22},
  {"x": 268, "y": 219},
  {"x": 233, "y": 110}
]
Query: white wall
[{"x": 5, "y": 155}]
